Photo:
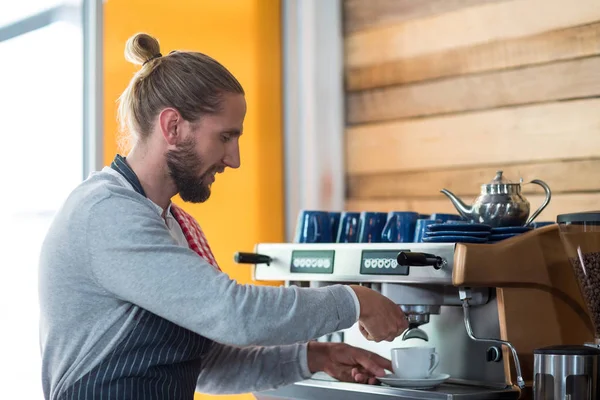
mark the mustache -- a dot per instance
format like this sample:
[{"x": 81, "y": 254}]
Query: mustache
[{"x": 217, "y": 170}]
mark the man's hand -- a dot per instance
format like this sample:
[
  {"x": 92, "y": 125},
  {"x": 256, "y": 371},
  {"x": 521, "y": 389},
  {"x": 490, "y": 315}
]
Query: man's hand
[
  {"x": 346, "y": 363},
  {"x": 380, "y": 318}
]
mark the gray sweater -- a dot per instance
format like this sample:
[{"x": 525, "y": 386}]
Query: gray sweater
[{"x": 126, "y": 312}]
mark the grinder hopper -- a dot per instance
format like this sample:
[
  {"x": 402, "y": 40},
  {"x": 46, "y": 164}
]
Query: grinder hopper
[{"x": 580, "y": 235}]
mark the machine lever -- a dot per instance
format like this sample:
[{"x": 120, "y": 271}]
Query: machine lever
[
  {"x": 465, "y": 296},
  {"x": 252, "y": 258},
  {"x": 420, "y": 260}
]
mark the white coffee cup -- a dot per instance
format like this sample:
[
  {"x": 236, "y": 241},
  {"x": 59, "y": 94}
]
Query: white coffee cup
[{"x": 414, "y": 362}]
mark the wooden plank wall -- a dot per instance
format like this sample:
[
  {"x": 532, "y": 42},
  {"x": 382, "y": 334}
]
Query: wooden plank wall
[{"x": 443, "y": 93}]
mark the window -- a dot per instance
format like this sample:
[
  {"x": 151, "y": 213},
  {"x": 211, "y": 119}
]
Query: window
[{"x": 41, "y": 161}]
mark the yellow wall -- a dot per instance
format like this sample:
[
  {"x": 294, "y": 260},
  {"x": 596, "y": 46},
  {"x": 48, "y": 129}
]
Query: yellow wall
[{"x": 246, "y": 205}]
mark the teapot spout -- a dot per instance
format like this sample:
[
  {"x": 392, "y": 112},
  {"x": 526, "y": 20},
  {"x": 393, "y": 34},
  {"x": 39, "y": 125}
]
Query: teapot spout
[{"x": 464, "y": 210}]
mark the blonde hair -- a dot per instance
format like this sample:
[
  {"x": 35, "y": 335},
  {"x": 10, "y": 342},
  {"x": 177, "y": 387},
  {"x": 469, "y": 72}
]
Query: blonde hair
[{"x": 191, "y": 82}]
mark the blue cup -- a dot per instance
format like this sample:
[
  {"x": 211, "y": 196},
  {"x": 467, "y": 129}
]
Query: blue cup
[
  {"x": 313, "y": 227},
  {"x": 443, "y": 218},
  {"x": 400, "y": 227},
  {"x": 421, "y": 227},
  {"x": 371, "y": 226},
  {"x": 348, "y": 228},
  {"x": 334, "y": 220}
]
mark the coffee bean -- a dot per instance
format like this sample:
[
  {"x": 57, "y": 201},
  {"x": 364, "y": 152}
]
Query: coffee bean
[{"x": 587, "y": 272}]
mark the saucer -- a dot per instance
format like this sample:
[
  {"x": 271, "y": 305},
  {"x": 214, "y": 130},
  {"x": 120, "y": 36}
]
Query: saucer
[
  {"x": 454, "y": 239},
  {"x": 424, "y": 383},
  {"x": 511, "y": 229},
  {"x": 459, "y": 227},
  {"x": 457, "y": 233}
]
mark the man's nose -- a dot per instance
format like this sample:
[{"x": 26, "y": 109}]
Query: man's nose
[{"x": 232, "y": 157}]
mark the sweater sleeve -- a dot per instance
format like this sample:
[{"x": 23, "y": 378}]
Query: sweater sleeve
[
  {"x": 233, "y": 370},
  {"x": 133, "y": 256}
]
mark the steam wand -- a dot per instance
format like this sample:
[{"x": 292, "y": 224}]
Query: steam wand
[{"x": 465, "y": 296}]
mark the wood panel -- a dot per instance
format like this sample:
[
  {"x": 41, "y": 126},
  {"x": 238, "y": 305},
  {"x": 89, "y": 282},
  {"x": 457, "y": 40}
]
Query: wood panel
[
  {"x": 560, "y": 203},
  {"x": 467, "y": 27},
  {"x": 562, "y": 44},
  {"x": 512, "y": 135},
  {"x": 561, "y": 176},
  {"x": 361, "y": 14},
  {"x": 562, "y": 80}
]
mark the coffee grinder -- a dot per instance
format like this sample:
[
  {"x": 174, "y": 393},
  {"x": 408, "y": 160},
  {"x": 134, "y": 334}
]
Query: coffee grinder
[{"x": 572, "y": 372}]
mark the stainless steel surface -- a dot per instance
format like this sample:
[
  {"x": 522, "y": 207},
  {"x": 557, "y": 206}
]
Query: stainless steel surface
[
  {"x": 427, "y": 294},
  {"x": 465, "y": 295},
  {"x": 313, "y": 107},
  {"x": 419, "y": 311},
  {"x": 419, "y": 314},
  {"x": 347, "y": 263},
  {"x": 418, "y": 302},
  {"x": 414, "y": 332},
  {"x": 317, "y": 389},
  {"x": 555, "y": 374},
  {"x": 500, "y": 203}
]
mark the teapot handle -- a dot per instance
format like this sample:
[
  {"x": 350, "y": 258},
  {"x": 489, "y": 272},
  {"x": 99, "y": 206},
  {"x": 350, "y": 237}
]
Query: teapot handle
[{"x": 544, "y": 204}]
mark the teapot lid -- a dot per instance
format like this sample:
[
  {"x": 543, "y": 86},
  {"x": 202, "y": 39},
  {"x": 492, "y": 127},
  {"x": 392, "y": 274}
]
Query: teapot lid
[
  {"x": 499, "y": 179},
  {"x": 500, "y": 185}
]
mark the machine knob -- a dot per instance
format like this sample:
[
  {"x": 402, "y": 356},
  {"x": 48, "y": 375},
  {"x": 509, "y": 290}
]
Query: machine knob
[
  {"x": 493, "y": 354},
  {"x": 252, "y": 258},
  {"x": 420, "y": 260}
]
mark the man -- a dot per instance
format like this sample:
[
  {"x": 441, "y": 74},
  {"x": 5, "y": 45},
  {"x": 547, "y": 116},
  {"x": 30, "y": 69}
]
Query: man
[{"x": 133, "y": 304}]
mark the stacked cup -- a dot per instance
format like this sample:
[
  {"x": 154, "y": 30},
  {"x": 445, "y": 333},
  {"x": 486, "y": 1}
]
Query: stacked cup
[{"x": 365, "y": 227}]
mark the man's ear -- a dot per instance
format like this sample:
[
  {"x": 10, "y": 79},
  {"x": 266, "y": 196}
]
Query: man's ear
[{"x": 169, "y": 121}]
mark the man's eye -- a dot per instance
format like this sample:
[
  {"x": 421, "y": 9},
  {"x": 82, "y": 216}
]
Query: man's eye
[{"x": 225, "y": 138}]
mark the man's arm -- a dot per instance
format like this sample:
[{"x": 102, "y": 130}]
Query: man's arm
[
  {"x": 232, "y": 370},
  {"x": 133, "y": 257}
]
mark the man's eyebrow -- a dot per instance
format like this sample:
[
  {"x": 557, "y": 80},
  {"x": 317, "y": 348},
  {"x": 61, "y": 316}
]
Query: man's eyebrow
[{"x": 233, "y": 131}]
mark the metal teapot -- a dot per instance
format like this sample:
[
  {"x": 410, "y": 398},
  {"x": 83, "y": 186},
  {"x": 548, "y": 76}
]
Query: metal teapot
[{"x": 500, "y": 203}]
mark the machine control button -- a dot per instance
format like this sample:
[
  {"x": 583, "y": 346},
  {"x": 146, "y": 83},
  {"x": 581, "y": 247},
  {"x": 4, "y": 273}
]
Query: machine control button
[
  {"x": 381, "y": 262},
  {"x": 312, "y": 261}
]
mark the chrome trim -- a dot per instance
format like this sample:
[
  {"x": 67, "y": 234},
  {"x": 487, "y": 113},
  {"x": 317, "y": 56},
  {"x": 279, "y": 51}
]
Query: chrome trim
[
  {"x": 93, "y": 86},
  {"x": 334, "y": 390}
]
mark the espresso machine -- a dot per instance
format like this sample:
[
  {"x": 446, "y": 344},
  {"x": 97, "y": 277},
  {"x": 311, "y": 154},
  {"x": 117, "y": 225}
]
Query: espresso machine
[{"x": 485, "y": 307}]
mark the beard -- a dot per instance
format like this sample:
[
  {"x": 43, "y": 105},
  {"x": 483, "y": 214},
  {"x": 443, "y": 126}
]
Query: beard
[{"x": 184, "y": 164}]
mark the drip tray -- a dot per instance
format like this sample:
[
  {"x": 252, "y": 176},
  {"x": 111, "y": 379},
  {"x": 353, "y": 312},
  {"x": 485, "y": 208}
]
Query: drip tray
[{"x": 333, "y": 390}]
